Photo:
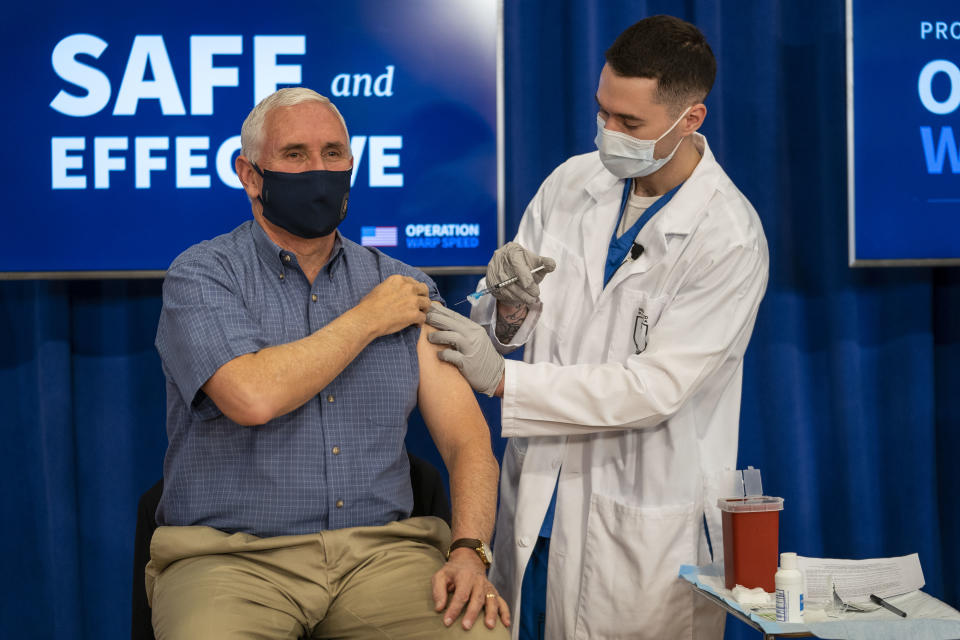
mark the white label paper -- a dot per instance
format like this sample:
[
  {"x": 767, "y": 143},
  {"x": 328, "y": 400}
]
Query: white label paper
[{"x": 855, "y": 580}]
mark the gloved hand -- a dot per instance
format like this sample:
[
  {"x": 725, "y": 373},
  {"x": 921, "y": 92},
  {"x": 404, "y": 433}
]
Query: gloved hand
[
  {"x": 472, "y": 352},
  {"x": 513, "y": 260}
]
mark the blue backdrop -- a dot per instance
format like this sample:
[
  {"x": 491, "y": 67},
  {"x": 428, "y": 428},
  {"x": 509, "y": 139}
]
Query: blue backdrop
[{"x": 850, "y": 403}]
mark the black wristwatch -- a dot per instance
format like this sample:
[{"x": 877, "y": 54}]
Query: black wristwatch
[{"x": 477, "y": 545}]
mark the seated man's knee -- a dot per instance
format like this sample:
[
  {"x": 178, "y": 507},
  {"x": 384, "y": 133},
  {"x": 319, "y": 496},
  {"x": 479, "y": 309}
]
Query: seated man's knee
[{"x": 218, "y": 622}]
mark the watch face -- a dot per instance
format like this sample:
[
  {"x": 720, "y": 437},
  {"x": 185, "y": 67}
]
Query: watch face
[{"x": 486, "y": 553}]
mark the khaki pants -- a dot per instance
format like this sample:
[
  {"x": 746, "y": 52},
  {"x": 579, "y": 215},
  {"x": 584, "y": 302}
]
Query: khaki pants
[{"x": 362, "y": 582}]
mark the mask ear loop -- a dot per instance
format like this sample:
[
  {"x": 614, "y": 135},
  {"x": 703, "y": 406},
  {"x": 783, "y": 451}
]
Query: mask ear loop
[
  {"x": 672, "y": 127},
  {"x": 676, "y": 147},
  {"x": 259, "y": 171}
]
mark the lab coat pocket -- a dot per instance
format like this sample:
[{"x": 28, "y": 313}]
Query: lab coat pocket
[
  {"x": 632, "y": 556},
  {"x": 519, "y": 446},
  {"x": 637, "y": 316},
  {"x": 513, "y": 461},
  {"x": 565, "y": 288}
]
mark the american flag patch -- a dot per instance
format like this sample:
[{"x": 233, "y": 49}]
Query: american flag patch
[{"x": 378, "y": 236}]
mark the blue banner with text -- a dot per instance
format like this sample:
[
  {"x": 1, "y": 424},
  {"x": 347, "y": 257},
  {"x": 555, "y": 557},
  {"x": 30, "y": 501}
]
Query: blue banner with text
[
  {"x": 905, "y": 182},
  {"x": 125, "y": 124}
]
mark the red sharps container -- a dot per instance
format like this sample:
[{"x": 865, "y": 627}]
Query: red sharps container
[{"x": 751, "y": 528}]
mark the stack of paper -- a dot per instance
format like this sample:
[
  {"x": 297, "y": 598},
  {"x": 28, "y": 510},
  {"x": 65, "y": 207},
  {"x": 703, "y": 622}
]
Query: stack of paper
[{"x": 854, "y": 580}]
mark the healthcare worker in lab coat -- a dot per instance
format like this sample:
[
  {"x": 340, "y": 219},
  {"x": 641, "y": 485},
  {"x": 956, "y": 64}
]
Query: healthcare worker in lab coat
[{"x": 628, "y": 399}]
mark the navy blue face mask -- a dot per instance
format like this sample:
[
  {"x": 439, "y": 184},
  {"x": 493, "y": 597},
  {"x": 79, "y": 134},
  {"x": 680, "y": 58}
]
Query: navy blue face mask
[{"x": 308, "y": 204}]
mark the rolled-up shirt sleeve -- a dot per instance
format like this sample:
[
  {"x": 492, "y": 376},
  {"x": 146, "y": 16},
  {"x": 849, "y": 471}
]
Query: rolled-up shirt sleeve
[
  {"x": 203, "y": 325},
  {"x": 406, "y": 270}
]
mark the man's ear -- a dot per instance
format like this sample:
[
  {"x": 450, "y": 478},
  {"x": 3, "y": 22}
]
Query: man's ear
[
  {"x": 251, "y": 180},
  {"x": 694, "y": 118}
]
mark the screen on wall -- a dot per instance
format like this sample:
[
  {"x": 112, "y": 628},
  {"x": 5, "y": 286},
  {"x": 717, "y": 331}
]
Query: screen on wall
[
  {"x": 903, "y": 91},
  {"x": 123, "y": 124}
]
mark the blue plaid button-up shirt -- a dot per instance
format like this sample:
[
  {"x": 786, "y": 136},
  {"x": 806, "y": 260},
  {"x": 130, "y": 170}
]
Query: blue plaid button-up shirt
[{"x": 337, "y": 461}]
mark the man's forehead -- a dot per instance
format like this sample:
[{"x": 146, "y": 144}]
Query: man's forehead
[
  {"x": 624, "y": 95},
  {"x": 612, "y": 81},
  {"x": 295, "y": 123}
]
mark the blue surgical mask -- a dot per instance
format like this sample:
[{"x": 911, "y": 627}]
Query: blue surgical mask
[
  {"x": 627, "y": 157},
  {"x": 308, "y": 204}
]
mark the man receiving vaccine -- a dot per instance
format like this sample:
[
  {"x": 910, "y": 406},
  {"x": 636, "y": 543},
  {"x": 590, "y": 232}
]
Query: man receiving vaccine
[
  {"x": 293, "y": 358},
  {"x": 627, "y": 401}
]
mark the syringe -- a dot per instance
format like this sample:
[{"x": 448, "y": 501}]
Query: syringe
[{"x": 473, "y": 297}]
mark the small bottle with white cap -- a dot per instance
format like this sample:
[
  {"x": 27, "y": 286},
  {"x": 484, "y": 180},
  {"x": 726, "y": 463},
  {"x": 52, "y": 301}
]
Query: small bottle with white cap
[{"x": 789, "y": 584}]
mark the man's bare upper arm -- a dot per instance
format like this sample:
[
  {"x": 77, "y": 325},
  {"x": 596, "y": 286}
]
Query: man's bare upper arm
[{"x": 447, "y": 402}]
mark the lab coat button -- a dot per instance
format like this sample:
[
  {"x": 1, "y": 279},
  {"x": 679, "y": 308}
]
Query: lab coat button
[{"x": 524, "y": 541}]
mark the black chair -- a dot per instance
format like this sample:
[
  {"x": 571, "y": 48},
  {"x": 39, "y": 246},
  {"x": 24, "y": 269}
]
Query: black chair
[{"x": 429, "y": 499}]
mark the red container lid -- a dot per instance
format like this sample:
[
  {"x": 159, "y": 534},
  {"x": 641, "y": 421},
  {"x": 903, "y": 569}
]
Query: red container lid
[{"x": 750, "y": 504}]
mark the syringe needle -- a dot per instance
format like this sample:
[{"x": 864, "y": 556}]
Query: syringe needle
[{"x": 478, "y": 294}]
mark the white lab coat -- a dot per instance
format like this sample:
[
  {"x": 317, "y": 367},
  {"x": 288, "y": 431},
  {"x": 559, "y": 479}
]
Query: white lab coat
[{"x": 633, "y": 438}]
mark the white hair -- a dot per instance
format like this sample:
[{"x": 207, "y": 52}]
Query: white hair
[{"x": 251, "y": 134}]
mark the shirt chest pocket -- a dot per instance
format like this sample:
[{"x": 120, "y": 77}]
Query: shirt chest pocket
[{"x": 634, "y": 327}]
